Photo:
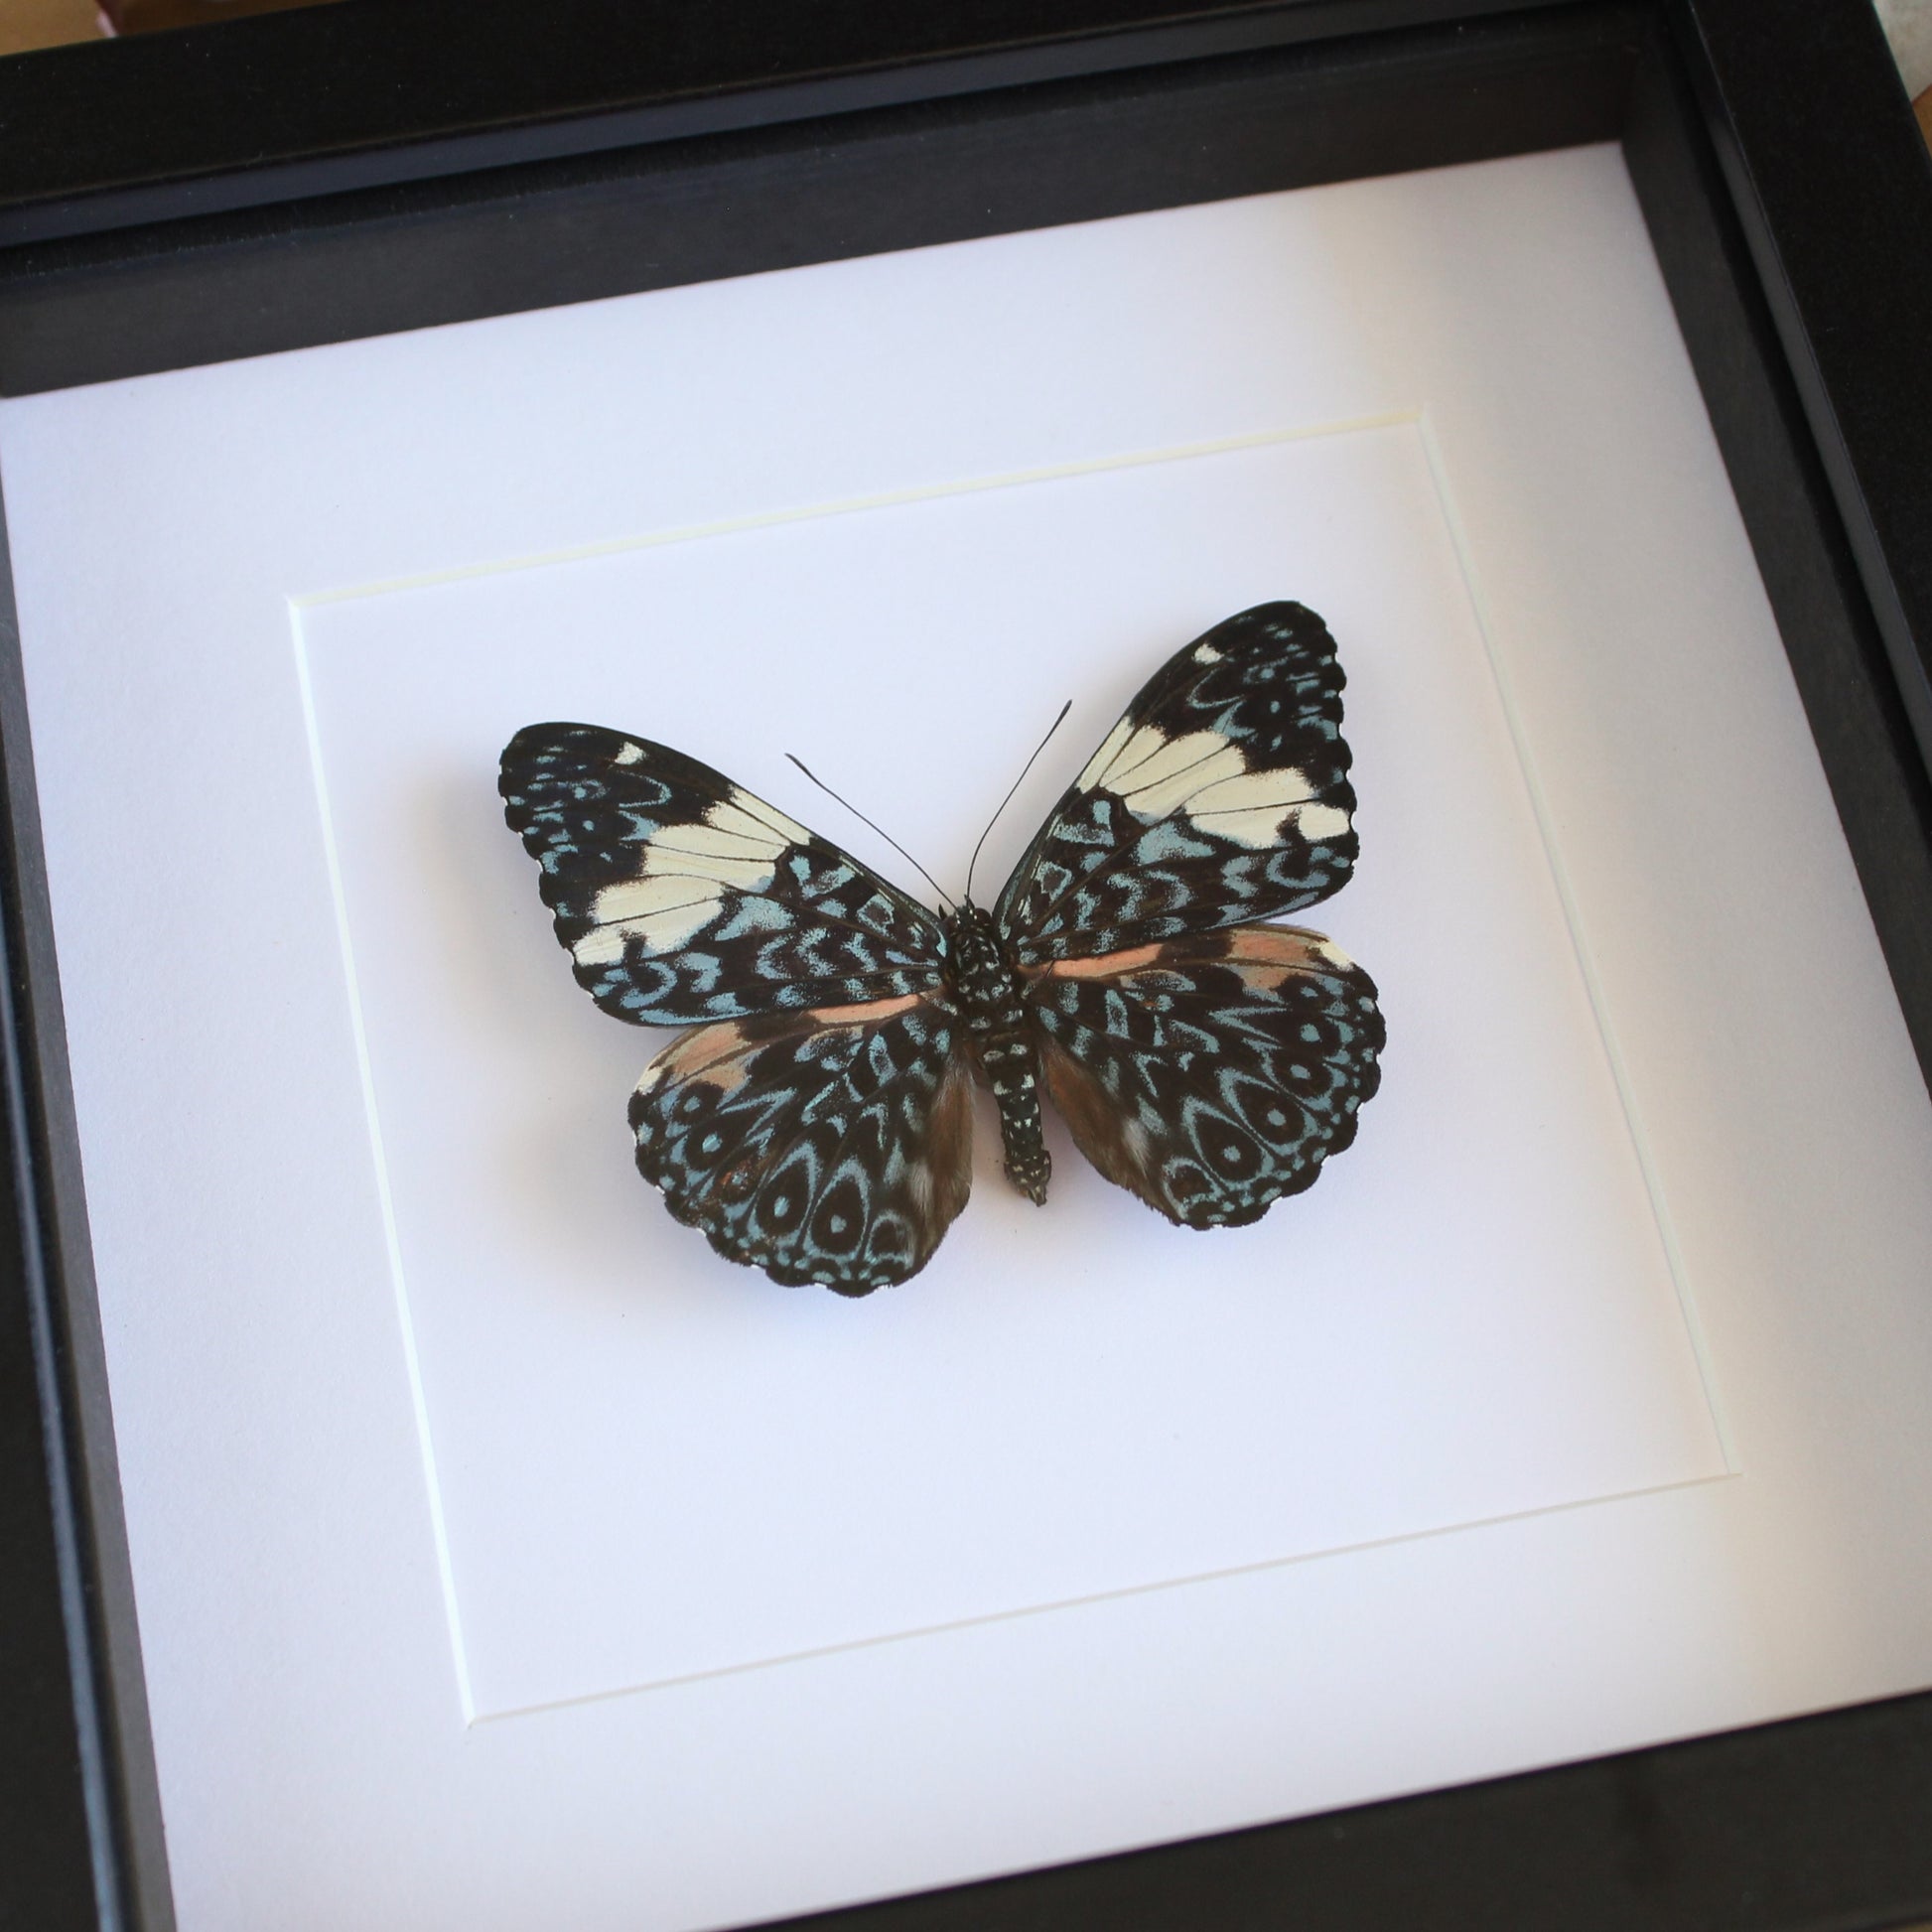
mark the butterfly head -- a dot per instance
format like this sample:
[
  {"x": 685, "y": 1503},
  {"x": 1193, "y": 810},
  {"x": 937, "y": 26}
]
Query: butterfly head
[{"x": 972, "y": 939}]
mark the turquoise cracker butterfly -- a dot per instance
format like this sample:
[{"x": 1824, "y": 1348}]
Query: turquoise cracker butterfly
[{"x": 816, "y": 1121}]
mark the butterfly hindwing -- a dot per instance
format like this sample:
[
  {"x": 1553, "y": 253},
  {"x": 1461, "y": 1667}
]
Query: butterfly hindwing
[
  {"x": 1210, "y": 1075},
  {"x": 834, "y": 1147},
  {"x": 683, "y": 899},
  {"x": 1221, "y": 795}
]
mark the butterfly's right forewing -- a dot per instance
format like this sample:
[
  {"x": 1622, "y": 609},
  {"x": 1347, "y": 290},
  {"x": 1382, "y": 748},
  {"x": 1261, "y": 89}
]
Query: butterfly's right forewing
[
  {"x": 683, "y": 899},
  {"x": 1220, "y": 797}
]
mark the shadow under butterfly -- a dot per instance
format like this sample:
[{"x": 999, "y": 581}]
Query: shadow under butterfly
[{"x": 816, "y": 1122}]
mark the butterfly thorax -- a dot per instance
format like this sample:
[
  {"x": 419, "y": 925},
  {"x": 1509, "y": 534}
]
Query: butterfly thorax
[{"x": 988, "y": 992}]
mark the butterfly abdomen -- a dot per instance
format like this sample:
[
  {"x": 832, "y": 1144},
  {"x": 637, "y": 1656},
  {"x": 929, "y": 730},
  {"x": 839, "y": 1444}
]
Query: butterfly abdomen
[{"x": 987, "y": 994}]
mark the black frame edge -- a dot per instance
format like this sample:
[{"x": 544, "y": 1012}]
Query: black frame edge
[
  {"x": 1840, "y": 247},
  {"x": 95, "y": 1766},
  {"x": 1794, "y": 508},
  {"x": 368, "y": 92},
  {"x": 90, "y": 309}
]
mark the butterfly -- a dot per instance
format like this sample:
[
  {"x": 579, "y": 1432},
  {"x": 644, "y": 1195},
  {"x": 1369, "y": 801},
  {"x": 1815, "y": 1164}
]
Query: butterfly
[{"x": 816, "y": 1120}]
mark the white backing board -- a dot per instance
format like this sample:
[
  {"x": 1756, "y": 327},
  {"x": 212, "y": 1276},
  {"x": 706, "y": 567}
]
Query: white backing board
[
  {"x": 650, "y": 1463},
  {"x": 502, "y": 1558}
]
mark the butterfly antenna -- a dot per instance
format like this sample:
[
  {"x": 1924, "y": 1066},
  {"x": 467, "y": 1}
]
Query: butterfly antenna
[
  {"x": 882, "y": 833},
  {"x": 1015, "y": 786}
]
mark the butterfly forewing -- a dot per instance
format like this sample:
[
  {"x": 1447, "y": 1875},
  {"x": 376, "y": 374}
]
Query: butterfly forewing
[
  {"x": 685, "y": 898},
  {"x": 835, "y": 1147},
  {"x": 1214, "y": 1074},
  {"x": 1221, "y": 795}
]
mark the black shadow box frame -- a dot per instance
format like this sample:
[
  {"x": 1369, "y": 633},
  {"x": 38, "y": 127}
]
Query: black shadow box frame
[{"x": 368, "y": 167}]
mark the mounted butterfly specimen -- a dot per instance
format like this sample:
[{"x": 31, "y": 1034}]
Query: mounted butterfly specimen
[{"x": 816, "y": 1121}]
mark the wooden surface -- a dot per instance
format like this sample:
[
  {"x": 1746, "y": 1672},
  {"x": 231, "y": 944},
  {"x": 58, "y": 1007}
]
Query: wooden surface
[
  {"x": 27, "y": 24},
  {"x": 154, "y": 15}
]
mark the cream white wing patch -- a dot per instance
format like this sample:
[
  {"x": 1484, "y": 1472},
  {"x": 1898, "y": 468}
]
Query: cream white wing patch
[
  {"x": 685, "y": 874},
  {"x": 1206, "y": 780},
  {"x": 661, "y": 913}
]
